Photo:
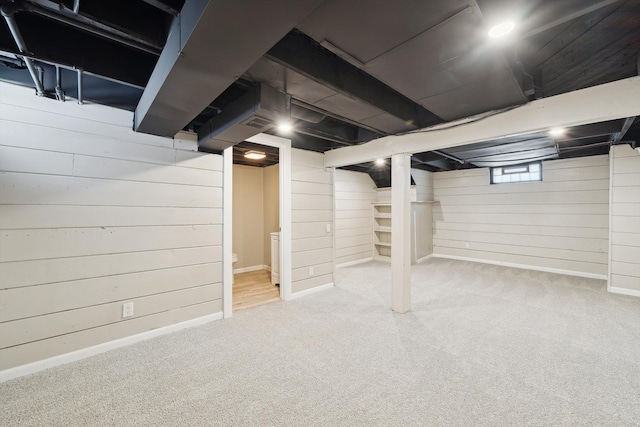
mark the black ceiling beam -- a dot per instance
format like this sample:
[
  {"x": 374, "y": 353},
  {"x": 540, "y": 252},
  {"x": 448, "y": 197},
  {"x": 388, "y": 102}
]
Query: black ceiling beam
[
  {"x": 439, "y": 163},
  {"x": 301, "y": 53},
  {"x": 94, "y": 26},
  {"x": 75, "y": 48},
  {"x": 163, "y": 6}
]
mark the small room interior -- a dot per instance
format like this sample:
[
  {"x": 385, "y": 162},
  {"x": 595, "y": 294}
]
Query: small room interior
[
  {"x": 256, "y": 224},
  {"x": 452, "y": 209}
]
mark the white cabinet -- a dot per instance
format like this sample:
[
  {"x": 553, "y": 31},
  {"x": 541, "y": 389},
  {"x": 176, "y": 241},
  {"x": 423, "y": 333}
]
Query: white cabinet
[
  {"x": 421, "y": 231},
  {"x": 275, "y": 258}
]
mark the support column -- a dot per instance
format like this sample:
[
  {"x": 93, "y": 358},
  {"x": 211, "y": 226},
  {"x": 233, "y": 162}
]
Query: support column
[{"x": 401, "y": 232}]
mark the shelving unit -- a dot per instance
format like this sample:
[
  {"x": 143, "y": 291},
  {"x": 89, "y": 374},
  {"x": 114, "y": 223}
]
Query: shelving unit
[
  {"x": 382, "y": 231},
  {"x": 421, "y": 233}
]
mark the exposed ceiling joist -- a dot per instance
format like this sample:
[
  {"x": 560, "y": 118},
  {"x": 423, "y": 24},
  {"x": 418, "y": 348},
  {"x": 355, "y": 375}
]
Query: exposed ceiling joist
[
  {"x": 576, "y": 9},
  {"x": 625, "y": 128},
  {"x": 609, "y": 101},
  {"x": 186, "y": 80},
  {"x": 304, "y": 55},
  {"x": 162, "y": 6}
]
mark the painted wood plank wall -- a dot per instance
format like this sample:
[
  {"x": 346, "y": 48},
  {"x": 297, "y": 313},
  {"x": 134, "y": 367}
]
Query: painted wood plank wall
[
  {"x": 355, "y": 192},
  {"x": 93, "y": 215},
  {"x": 560, "y": 223},
  {"x": 424, "y": 184},
  {"x": 311, "y": 212},
  {"x": 625, "y": 220}
]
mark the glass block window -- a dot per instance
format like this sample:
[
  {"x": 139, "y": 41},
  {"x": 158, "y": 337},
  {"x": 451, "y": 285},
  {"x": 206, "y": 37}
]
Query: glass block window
[{"x": 517, "y": 173}]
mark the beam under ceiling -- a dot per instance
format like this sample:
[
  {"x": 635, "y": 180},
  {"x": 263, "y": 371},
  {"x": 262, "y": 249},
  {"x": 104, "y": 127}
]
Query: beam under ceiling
[
  {"x": 301, "y": 53},
  {"x": 609, "y": 101},
  {"x": 210, "y": 45}
]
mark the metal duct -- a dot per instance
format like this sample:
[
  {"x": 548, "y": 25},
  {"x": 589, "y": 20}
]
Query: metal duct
[
  {"x": 206, "y": 52},
  {"x": 253, "y": 113},
  {"x": 301, "y": 113}
]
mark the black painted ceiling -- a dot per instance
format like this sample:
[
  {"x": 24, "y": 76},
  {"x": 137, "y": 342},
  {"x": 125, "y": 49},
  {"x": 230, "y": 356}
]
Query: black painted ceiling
[{"x": 356, "y": 71}]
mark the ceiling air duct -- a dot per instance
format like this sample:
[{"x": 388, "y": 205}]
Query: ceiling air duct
[{"x": 253, "y": 113}]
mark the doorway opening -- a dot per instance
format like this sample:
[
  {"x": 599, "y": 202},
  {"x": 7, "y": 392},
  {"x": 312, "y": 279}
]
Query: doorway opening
[
  {"x": 257, "y": 222},
  {"x": 256, "y": 225}
]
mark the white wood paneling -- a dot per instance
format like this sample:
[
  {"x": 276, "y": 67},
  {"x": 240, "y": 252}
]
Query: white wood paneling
[
  {"x": 14, "y": 159},
  {"x": 625, "y": 220},
  {"x": 557, "y": 223},
  {"x": 424, "y": 184},
  {"x": 65, "y": 322},
  {"x": 64, "y": 216},
  {"x": 92, "y": 215},
  {"x": 53, "y": 346},
  {"x": 311, "y": 212},
  {"x": 38, "y": 189},
  {"x": 52, "y": 298},
  {"x": 18, "y": 245},
  {"x": 39, "y": 272},
  {"x": 355, "y": 192}
]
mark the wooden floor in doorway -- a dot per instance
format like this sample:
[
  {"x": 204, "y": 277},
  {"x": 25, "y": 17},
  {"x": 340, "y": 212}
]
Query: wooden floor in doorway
[{"x": 252, "y": 289}]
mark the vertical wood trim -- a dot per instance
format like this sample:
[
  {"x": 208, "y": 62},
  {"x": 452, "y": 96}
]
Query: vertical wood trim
[
  {"x": 610, "y": 245},
  {"x": 227, "y": 233},
  {"x": 334, "y": 237},
  {"x": 401, "y": 233}
]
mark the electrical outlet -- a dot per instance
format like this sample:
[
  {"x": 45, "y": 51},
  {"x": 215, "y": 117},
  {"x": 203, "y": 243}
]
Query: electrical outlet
[
  {"x": 311, "y": 272},
  {"x": 127, "y": 309},
  {"x": 466, "y": 245},
  {"x": 328, "y": 228}
]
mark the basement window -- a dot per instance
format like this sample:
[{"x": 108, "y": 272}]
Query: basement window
[{"x": 517, "y": 173}]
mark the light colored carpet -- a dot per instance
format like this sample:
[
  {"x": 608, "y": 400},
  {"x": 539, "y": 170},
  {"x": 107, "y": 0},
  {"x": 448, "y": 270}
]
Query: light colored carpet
[{"x": 484, "y": 345}]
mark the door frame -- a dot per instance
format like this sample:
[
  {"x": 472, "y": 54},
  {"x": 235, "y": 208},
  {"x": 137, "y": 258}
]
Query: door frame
[{"x": 284, "y": 178}]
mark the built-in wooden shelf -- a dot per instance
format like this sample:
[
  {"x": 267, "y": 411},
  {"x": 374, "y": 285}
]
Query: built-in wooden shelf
[{"x": 421, "y": 239}]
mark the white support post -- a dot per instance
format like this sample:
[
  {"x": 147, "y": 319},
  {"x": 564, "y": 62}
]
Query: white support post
[{"x": 401, "y": 232}]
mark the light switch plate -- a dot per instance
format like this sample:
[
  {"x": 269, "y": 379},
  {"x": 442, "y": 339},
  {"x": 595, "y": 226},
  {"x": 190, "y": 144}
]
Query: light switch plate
[{"x": 127, "y": 309}]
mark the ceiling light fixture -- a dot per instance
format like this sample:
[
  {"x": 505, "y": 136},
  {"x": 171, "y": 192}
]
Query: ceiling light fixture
[
  {"x": 557, "y": 132},
  {"x": 501, "y": 29},
  {"x": 285, "y": 127},
  {"x": 255, "y": 155},
  {"x": 380, "y": 162}
]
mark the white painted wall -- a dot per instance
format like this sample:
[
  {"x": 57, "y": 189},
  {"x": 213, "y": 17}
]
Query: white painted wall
[
  {"x": 248, "y": 216},
  {"x": 560, "y": 223},
  {"x": 424, "y": 184},
  {"x": 354, "y": 194},
  {"x": 312, "y": 211},
  {"x": 625, "y": 220},
  {"x": 93, "y": 215}
]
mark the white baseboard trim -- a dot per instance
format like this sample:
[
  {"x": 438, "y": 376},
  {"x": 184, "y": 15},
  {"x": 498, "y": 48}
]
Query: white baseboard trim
[
  {"x": 248, "y": 269},
  {"x": 311, "y": 291},
  {"x": 63, "y": 359},
  {"x": 624, "y": 291},
  {"x": 266, "y": 267},
  {"x": 423, "y": 259},
  {"x": 526, "y": 267},
  {"x": 358, "y": 261}
]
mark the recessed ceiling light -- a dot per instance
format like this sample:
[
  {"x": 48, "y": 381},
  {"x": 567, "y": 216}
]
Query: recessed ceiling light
[
  {"x": 255, "y": 155},
  {"x": 557, "y": 132},
  {"x": 285, "y": 127},
  {"x": 501, "y": 29},
  {"x": 380, "y": 162}
]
